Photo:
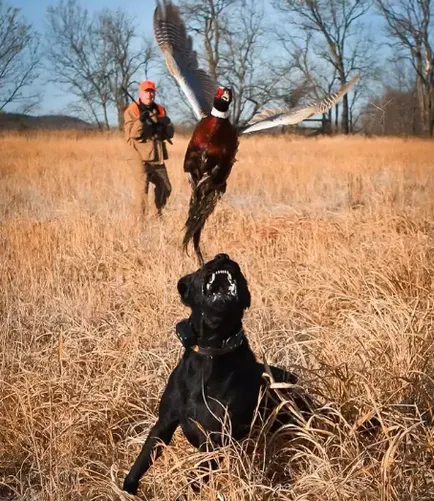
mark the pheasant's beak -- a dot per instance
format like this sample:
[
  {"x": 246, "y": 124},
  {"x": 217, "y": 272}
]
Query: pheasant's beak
[{"x": 226, "y": 96}]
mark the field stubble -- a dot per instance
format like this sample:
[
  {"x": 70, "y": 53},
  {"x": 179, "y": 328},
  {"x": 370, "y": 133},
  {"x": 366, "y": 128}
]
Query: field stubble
[{"x": 335, "y": 236}]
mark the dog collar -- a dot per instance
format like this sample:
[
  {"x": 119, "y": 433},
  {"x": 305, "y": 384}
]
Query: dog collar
[
  {"x": 188, "y": 338},
  {"x": 219, "y": 114},
  {"x": 229, "y": 345}
]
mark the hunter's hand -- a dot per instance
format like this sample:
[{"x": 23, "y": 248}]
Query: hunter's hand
[{"x": 166, "y": 127}]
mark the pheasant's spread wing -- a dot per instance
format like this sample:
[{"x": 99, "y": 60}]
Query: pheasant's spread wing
[
  {"x": 290, "y": 116},
  {"x": 181, "y": 59}
]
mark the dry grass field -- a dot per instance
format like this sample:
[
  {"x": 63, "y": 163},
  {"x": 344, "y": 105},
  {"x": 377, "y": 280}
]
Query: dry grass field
[{"x": 336, "y": 238}]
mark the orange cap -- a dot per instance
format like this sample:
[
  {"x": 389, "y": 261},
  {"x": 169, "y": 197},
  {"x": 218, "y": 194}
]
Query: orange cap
[{"x": 147, "y": 85}]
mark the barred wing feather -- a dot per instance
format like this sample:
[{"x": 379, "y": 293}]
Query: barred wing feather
[
  {"x": 181, "y": 60},
  {"x": 290, "y": 116}
]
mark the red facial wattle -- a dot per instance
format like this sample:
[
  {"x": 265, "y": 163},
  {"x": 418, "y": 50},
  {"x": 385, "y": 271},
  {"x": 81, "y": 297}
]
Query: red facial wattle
[{"x": 219, "y": 93}]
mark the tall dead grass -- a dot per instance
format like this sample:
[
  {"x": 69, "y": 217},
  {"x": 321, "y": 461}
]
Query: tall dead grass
[{"x": 336, "y": 237}]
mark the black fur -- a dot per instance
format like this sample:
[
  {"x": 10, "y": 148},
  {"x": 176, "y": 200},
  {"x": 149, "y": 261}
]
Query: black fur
[{"x": 231, "y": 381}]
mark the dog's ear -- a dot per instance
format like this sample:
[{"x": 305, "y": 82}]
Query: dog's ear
[{"x": 185, "y": 289}]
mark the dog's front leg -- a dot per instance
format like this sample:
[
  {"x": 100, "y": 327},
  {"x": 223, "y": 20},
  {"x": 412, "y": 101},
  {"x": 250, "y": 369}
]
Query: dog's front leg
[
  {"x": 160, "y": 434},
  {"x": 205, "y": 468}
]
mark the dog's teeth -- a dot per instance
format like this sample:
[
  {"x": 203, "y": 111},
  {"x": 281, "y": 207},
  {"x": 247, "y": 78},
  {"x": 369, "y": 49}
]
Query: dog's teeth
[
  {"x": 210, "y": 281},
  {"x": 232, "y": 288},
  {"x": 226, "y": 272},
  {"x": 208, "y": 285}
]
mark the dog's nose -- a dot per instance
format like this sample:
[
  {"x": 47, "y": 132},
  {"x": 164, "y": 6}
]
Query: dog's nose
[{"x": 222, "y": 257}]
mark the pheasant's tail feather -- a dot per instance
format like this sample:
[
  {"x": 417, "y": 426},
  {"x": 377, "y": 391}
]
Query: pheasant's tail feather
[
  {"x": 202, "y": 205},
  {"x": 196, "y": 246}
]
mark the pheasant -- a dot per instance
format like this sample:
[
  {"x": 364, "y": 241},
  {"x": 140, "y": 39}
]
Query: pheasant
[{"x": 212, "y": 148}]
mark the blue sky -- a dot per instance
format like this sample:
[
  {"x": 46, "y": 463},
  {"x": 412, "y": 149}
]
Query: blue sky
[{"x": 35, "y": 11}]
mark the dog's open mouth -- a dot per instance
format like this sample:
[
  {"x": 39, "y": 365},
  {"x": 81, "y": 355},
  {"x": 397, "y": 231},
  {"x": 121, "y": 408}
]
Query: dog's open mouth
[{"x": 221, "y": 285}]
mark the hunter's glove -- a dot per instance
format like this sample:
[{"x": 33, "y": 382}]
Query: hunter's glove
[
  {"x": 147, "y": 126},
  {"x": 165, "y": 128},
  {"x": 147, "y": 132}
]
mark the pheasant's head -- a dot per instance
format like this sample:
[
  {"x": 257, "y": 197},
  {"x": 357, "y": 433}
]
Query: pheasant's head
[{"x": 222, "y": 98}]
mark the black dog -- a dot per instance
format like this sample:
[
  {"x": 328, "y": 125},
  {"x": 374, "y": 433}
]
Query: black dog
[{"x": 218, "y": 375}]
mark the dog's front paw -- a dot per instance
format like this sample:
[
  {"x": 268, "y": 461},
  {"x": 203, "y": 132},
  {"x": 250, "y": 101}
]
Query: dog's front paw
[{"x": 130, "y": 485}]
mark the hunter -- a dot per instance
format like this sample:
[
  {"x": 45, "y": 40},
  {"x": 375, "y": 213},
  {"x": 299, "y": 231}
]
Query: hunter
[{"x": 147, "y": 128}]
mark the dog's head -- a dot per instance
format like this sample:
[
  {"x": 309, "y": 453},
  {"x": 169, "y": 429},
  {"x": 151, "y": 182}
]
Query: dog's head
[{"x": 217, "y": 294}]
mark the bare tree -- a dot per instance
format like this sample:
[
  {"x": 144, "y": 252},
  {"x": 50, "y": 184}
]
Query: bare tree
[
  {"x": 401, "y": 75},
  {"x": 208, "y": 19},
  {"x": 394, "y": 112},
  {"x": 234, "y": 48},
  {"x": 410, "y": 23},
  {"x": 125, "y": 58},
  {"x": 77, "y": 58},
  {"x": 338, "y": 36},
  {"x": 19, "y": 59},
  {"x": 245, "y": 62},
  {"x": 95, "y": 57},
  {"x": 310, "y": 78}
]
